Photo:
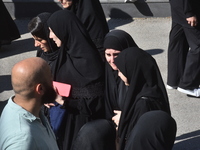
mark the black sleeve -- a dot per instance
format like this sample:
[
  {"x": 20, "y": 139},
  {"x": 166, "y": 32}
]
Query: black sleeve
[{"x": 188, "y": 9}]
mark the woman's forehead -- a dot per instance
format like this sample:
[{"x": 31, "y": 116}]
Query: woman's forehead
[{"x": 112, "y": 51}]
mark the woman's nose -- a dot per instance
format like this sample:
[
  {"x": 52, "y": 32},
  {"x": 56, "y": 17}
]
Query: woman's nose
[
  {"x": 37, "y": 43},
  {"x": 112, "y": 59}
]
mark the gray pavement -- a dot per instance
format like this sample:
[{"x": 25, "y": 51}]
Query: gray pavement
[{"x": 151, "y": 34}]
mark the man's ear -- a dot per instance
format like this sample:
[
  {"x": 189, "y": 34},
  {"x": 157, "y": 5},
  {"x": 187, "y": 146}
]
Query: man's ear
[{"x": 40, "y": 89}]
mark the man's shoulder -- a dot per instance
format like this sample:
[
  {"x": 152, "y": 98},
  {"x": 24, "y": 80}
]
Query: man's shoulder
[
  {"x": 17, "y": 140},
  {"x": 13, "y": 120},
  {"x": 13, "y": 124},
  {"x": 9, "y": 114}
]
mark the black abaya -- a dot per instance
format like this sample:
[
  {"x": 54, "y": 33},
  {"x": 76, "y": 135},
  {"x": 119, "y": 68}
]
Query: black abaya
[
  {"x": 80, "y": 65},
  {"x": 92, "y": 16},
  {"x": 146, "y": 90}
]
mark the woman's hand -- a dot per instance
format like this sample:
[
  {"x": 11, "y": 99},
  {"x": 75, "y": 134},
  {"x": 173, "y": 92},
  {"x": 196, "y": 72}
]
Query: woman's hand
[
  {"x": 48, "y": 105},
  {"x": 116, "y": 118},
  {"x": 59, "y": 100}
]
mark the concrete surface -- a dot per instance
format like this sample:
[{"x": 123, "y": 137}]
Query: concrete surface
[{"x": 151, "y": 34}]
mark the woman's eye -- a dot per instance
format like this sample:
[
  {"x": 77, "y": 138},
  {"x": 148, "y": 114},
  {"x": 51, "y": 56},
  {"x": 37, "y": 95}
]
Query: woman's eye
[
  {"x": 38, "y": 40},
  {"x": 108, "y": 54}
]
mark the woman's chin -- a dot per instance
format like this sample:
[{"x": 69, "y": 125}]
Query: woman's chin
[{"x": 114, "y": 67}]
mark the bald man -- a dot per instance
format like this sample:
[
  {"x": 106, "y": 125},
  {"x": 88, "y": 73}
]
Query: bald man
[{"x": 23, "y": 125}]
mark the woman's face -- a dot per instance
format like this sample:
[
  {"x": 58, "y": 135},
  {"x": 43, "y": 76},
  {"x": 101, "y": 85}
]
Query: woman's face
[
  {"x": 120, "y": 74},
  {"x": 110, "y": 55},
  {"x": 65, "y": 3},
  {"x": 55, "y": 38},
  {"x": 41, "y": 43}
]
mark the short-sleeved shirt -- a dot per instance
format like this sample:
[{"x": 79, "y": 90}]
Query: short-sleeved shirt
[{"x": 21, "y": 130}]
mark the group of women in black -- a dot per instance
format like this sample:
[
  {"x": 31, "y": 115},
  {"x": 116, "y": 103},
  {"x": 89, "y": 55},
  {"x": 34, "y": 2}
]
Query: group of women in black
[{"x": 128, "y": 85}]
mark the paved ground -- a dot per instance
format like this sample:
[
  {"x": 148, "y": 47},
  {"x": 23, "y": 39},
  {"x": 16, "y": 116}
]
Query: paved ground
[{"x": 151, "y": 34}]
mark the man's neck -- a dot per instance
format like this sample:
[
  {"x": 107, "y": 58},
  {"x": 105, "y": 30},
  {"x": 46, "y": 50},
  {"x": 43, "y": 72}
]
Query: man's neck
[{"x": 31, "y": 105}]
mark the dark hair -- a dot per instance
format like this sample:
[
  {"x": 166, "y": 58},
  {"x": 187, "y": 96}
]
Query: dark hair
[{"x": 36, "y": 28}]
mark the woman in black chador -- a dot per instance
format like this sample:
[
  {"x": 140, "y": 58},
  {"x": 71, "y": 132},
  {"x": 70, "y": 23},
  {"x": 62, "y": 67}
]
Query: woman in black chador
[
  {"x": 78, "y": 64},
  {"x": 146, "y": 91},
  {"x": 8, "y": 28},
  {"x": 47, "y": 48},
  {"x": 115, "y": 90}
]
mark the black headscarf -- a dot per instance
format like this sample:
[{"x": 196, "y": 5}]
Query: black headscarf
[
  {"x": 92, "y": 16},
  {"x": 145, "y": 80},
  {"x": 38, "y": 27},
  {"x": 115, "y": 89},
  {"x": 154, "y": 130},
  {"x": 44, "y": 17},
  {"x": 118, "y": 40},
  {"x": 79, "y": 63},
  {"x": 96, "y": 135}
]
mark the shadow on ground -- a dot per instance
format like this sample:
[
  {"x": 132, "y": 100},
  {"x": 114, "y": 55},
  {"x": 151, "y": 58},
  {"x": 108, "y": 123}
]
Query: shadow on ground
[
  {"x": 116, "y": 13},
  {"x": 188, "y": 140},
  {"x": 154, "y": 51},
  {"x": 5, "y": 81},
  {"x": 17, "y": 47},
  {"x": 143, "y": 8}
]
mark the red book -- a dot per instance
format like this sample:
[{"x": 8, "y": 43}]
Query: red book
[{"x": 63, "y": 89}]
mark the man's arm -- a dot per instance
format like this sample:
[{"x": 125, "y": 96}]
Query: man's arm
[{"x": 190, "y": 16}]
